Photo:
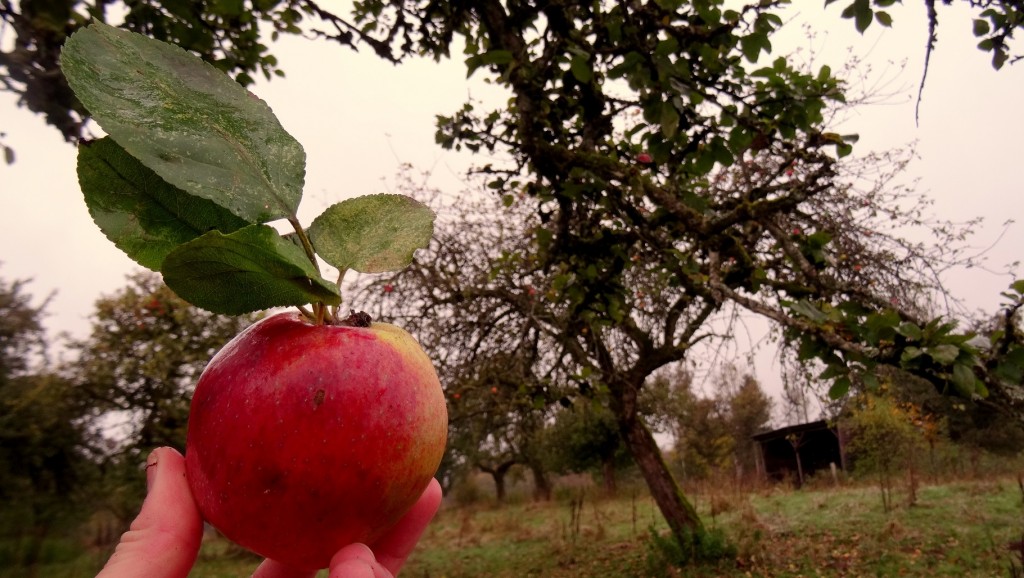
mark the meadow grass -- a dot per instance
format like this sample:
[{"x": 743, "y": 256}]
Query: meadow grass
[{"x": 959, "y": 528}]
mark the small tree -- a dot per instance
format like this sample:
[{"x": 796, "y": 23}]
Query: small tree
[
  {"x": 886, "y": 438},
  {"x": 584, "y": 438},
  {"x": 750, "y": 413}
]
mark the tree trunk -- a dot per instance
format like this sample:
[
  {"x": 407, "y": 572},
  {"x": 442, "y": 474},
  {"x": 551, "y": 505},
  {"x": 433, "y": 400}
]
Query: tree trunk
[
  {"x": 499, "y": 484},
  {"x": 498, "y": 473},
  {"x": 37, "y": 536},
  {"x": 541, "y": 484},
  {"x": 608, "y": 473},
  {"x": 680, "y": 514}
]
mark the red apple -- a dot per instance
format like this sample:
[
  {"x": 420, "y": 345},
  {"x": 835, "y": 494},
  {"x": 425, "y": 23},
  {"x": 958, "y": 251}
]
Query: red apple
[{"x": 303, "y": 439}]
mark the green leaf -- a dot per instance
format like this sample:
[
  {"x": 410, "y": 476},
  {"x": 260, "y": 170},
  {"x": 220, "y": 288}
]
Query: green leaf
[
  {"x": 581, "y": 69},
  {"x": 840, "y": 387},
  {"x": 494, "y": 57},
  {"x": 752, "y": 44},
  {"x": 999, "y": 58},
  {"x": 944, "y": 354},
  {"x": 372, "y": 234},
  {"x": 189, "y": 122},
  {"x": 862, "y": 15},
  {"x": 910, "y": 353},
  {"x": 964, "y": 380},
  {"x": 669, "y": 120},
  {"x": 808, "y": 310},
  {"x": 139, "y": 212},
  {"x": 909, "y": 330},
  {"x": 870, "y": 381},
  {"x": 883, "y": 18},
  {"x": 981, "y": 27},
  {"x": 251, "y": 269}
]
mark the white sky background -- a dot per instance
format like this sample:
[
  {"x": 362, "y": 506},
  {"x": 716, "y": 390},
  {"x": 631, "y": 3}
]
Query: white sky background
[{"x": 360, "y": 118}]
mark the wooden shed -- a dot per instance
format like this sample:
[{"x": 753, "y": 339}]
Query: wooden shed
[{"x": 797, "y": 451}]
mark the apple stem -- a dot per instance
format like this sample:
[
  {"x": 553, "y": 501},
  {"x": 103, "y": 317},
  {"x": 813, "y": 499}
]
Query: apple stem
[
  {"x": 306, "y": 244},
  {"x": 306, "y": 313},
  {"x": 319, "y": 309}
]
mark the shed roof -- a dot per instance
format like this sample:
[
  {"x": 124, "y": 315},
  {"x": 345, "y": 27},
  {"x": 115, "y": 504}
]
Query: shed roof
[{"x": 792, "y": 429}]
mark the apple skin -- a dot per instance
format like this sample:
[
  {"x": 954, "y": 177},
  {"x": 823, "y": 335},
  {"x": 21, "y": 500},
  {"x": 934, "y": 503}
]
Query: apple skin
[{"x": 303, "y": 439}]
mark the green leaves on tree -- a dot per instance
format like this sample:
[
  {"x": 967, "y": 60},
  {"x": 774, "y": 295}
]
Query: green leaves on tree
[
  {"x": 141, "y": 213},
  {"x": 189, "y": 122},
  {"x": 251, "y": 269},
  {"x": 935, "y": 350},
  {"x": 372, "y": 234},
  {"x": 194, "y": 165}
]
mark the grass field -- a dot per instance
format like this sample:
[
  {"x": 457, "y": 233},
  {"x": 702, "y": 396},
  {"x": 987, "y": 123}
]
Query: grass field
[{"x": 955, "y": 529}]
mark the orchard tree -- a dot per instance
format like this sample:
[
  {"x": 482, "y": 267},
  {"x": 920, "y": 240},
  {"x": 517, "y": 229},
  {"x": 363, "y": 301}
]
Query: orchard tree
[
  {"x": 585, "y": 438},
  {"x": 715, "y": 432},
  {"x": 22, "y": 338},
  {"x": 749, "y": 413},
  {"x": 677, "y": 174},
  {"x": 44, "y": 448},
  {"x": 497, "y": 418}
]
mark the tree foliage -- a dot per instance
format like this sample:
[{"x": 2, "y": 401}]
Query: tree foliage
[
  {"x": 235, "y": 36},
  {"x": 45, "y": 449}
]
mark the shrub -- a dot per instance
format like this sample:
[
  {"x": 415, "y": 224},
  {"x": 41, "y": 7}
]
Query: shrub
[{"x": 702, "y": 547}]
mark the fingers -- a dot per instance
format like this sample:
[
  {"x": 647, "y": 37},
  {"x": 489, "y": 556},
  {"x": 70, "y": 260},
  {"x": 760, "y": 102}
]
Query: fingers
[
  {"x": 272, "y": 569},
  {"x": 164, "y": 539},
  {"x": 357, "y": 561},
  {"x": 395, "y": 546}
]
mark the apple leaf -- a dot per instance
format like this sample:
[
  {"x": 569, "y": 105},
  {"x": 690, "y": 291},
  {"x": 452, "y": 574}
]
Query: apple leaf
[
  {"x": 251, "y": 269},
  {"x": 192, "y": 124},
  {"x": 372, "y": 234},
  {"x": 137, "y": 210},
  {"x": 964, "y": 380}
]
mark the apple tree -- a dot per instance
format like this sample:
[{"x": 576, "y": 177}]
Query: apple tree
[{"x": 678, "y": 175}]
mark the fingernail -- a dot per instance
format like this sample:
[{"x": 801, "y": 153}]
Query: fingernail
[{"x": 151, "y": 466}]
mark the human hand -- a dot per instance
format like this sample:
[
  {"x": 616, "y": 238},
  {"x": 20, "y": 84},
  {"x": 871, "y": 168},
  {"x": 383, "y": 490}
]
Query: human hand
[{"x": 164, "y": 539}]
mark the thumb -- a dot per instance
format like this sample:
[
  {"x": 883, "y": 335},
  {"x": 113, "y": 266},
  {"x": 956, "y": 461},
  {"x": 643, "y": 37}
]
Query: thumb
[
  {"x": 164, "y": 539},
  {"x": 357, "y": 561}
]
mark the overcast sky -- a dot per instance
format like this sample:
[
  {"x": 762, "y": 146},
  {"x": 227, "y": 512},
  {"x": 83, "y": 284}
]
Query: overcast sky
[{"x": 359, "y": 118}]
